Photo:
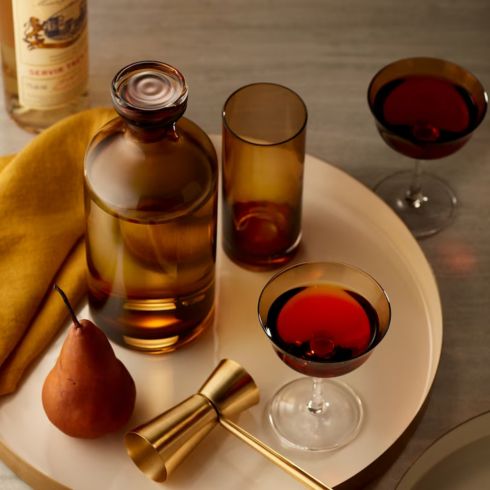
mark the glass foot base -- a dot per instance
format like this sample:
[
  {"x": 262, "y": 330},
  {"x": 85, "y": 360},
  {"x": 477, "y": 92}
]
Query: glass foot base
[
  {"x": 433, "y": 210},
  {"x": 334, "y": 426}
]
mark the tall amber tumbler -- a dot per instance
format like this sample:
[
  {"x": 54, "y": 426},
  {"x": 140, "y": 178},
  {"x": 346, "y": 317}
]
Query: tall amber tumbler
[{"x": 264, "y": 129}]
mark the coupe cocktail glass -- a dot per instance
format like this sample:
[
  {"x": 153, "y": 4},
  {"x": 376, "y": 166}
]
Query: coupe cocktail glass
[
  {"x": 323, "y": 319},
  {"x": 425, "y": 108}
]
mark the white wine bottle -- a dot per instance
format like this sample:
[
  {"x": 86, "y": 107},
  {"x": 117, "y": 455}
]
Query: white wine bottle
[{"x": 44, "y": 50}]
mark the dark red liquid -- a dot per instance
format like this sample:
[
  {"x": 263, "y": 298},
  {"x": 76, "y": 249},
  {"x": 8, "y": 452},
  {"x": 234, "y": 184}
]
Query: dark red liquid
[
  {"x": 321, "y": 324},
  {"x": 261, "y": 232},
  {"x": 425, "y": 117}
]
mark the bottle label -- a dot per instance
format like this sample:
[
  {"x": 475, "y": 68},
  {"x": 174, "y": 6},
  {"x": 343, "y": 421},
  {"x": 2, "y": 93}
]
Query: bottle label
[{"x": 51, "y": 51}]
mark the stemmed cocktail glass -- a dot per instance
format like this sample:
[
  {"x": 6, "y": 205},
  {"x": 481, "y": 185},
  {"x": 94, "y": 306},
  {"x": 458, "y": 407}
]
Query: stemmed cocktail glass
[
  {"x": 425, "y": 108},
  {"x": 323, "y": 319}
]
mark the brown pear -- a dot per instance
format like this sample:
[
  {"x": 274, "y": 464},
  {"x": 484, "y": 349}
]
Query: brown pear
[{"x": 89, "y": 392}]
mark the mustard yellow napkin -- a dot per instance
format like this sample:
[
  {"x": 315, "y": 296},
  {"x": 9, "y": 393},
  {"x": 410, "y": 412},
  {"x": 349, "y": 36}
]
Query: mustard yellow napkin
[{"x": 41, "y": 230}]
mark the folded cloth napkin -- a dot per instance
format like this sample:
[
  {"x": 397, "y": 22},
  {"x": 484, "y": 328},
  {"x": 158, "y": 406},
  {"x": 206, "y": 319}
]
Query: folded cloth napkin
[{"x": 41, "y": 239}]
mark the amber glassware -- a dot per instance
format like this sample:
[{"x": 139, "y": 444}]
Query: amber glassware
[
  {"x": 424, "y": 108},
  {"x": 323, "y": 319},
  {"x": 264, "y": 129},
  {"x": 151, "y": 210}
]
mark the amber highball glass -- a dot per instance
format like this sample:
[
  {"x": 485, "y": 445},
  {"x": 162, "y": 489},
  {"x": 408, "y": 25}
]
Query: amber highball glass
[{"x": 264, "y": 129}]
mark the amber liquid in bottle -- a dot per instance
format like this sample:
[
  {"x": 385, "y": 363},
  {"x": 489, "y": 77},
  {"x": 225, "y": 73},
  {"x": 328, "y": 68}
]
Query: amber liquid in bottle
[{"x": 151, "y": 230}]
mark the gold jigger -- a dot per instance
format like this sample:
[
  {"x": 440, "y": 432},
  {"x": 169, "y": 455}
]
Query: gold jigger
[{"x": 158, "y": 446}]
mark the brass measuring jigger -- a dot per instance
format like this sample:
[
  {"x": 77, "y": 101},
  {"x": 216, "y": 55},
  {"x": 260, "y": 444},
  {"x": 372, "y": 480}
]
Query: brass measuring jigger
[{"x": 158, "y": 446}]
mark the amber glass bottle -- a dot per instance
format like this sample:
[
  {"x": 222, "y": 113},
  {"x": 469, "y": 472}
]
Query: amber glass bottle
[{"x": 150, "y": 191}]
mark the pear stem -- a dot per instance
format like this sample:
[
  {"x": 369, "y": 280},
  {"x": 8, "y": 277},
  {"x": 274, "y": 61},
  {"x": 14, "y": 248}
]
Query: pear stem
[{"x": 68, "y": 305}]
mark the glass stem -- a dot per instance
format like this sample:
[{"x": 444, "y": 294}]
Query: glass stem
[
  {"x": 317, "y": 403},
  {"x": 414, "y": 195}
]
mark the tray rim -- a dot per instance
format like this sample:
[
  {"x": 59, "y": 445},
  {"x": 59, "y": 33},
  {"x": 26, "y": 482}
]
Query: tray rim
[{"x": 32, "y": 475}]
